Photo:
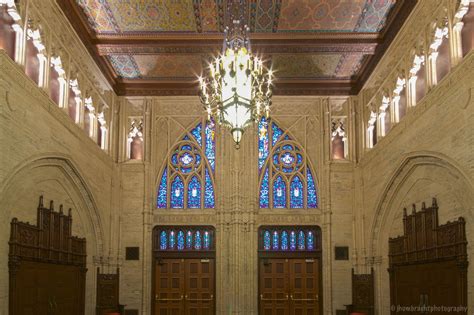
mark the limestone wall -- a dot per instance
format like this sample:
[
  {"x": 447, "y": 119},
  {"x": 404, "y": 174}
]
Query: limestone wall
[{"x": 45, "y": 153}]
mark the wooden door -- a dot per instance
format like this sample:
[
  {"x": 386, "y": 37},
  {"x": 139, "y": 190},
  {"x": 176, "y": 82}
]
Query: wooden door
[
  {"x": 289, "y": 286},
  {"x": 184, "y": 286},
  {"x": 304, "y": 286},
  {"x": 199, "y": 286},
  {"x": 169, "y": 287},
  {"x": 274, "y": 287}
]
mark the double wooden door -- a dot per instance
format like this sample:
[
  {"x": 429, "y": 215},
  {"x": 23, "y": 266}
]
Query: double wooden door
[
  {"x": 184, "y": 286},
  {"x": 289, "y": 286}
]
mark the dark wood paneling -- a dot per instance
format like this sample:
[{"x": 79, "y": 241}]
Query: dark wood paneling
[
  {"x": 428, "y": 264},
  {"x": 47, "y": 265}
]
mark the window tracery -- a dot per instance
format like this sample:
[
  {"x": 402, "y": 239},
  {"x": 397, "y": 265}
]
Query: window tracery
[
  {"x": 286, "y": 177},
  {"x": 187, "y": 180}
]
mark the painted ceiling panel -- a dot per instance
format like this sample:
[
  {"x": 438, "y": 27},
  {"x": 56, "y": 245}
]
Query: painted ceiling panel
[
  {"x": 188, "y": 16},
  {"x": 169, "y": 66},
  {"x": 305, "y": 66},
  {"x": 333, "y": 16}
]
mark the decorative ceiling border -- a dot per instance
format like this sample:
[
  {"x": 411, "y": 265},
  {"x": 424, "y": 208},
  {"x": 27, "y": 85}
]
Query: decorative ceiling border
[{"x": 373, "y": 45}]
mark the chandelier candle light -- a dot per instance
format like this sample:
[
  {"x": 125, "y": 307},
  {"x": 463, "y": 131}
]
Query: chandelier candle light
[{"x": 237, "y": 91}]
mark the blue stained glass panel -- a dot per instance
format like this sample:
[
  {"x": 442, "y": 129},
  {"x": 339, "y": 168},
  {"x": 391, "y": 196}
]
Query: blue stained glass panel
[
  {"x": 197, "y": 240},
  {"x": 279, "y": 193},
  {"x": 172, "y": 240},
  {"x": 263, "y": 148},
  {"x": 310, "y": 240},
  {"x": 189, "y": 240},
  {"x": 177, "y": 193},
  {"x": 266, "y": 240},
  {"x": 162, "y": 190},
  {"x": 163, "y": 240},
  {"x": 264, "y": 191},
  {"x": 284, "y": 240},
  {"x": 292, "y": 240},
  {"x": 210, "y": 148},
  {"x": 275, "y": 241},
  {"x": 209, "y": 200},
  {"x": 186, "y": 138},
  {"x": 296, "y": 193},
  {"x": 194, "y": 193},
  {"x": 196, "y": 132},
  {"x": 277, "y": 132},
  {"x": 301, "y": 240},
  {"x": 312, "y": 197},
  {"x": 207, "y": 240},
  {"x": 180, "y": 240}
]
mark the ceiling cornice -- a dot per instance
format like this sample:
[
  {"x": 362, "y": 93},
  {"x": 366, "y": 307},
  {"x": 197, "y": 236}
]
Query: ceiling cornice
[{"x": 373, "y": 45}]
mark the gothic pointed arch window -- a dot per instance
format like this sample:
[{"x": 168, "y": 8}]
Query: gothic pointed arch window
[
  {"x": 286, "y": 178},
  {"x": 187, "y": 178}
]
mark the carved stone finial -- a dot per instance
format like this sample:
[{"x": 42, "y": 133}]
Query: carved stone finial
[
  {"x": 40, "y": 205},
  {"x": 51, "y": 205},
  {"x": 69, "y": 212},
  {"x": 434, "y": 203},
  {"x": 413, "y": 209},
  {"x": 423, "y": 206},
  {"x": 61, "y": 209},
  {"x": 404, "y": 212}
]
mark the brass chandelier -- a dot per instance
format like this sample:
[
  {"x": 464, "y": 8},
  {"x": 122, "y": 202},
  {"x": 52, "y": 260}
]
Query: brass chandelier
[{"x": 237, "y": 92}]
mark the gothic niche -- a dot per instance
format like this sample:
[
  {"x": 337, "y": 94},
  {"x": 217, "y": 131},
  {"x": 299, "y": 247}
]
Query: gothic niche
[
  {"x": 338, "y": 139},
  {"x": 135, "y": 140}
]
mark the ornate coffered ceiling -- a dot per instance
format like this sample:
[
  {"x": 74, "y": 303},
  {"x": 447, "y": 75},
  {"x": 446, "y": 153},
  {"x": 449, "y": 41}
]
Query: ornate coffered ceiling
[{"x": 158, "y": 47}]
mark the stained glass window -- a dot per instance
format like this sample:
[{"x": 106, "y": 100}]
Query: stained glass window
[
  {"x": 301, "y": 240},
  {"x": 286, "y": 178},
  {"x": 207, "y": 240},
  {"x": 284, "y": 240},
  {"x": 266, "y": 240},
  {"x": 276, "y": 243},
  {"x": 180, "y": 240},
  {"x": 292, "y": 239},
  {"x": 187, "y": 239},
  {"x": 177, "y": 192},
  {"x": 197, "y": 240},
  {"x": 296, "y": 193},
  {"x": 310, "y": 240},
  {"x": 187, "y": 180},
  {"x": 279, "y": 193},
  {"x": 163, "y": 240},
  {"x": 172, "y": 239}
]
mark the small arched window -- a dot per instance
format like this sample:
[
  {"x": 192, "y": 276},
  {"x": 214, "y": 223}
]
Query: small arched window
[
  {"x": 187, "y": 180},
  {"x": 286, "y": 177}
]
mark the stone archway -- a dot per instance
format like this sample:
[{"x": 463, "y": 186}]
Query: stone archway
[
  {"x": 420, "y": 176},
  {"x": 58, "y": 179}
]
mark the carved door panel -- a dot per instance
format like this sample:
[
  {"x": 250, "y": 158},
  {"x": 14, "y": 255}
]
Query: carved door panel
[
  {"x": 408, "y": 291},
  {"x": 64, "y": 294},
  {"x": 199, "y": 284},
  {"x": 304, "y": 286},
  {"x": 169, "y": 287},
  {"x": 274, "y": 287}
]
